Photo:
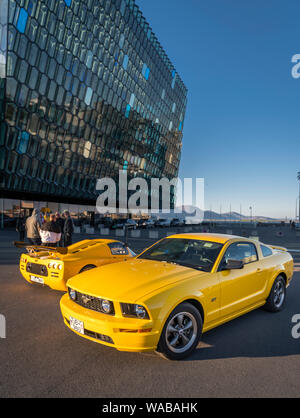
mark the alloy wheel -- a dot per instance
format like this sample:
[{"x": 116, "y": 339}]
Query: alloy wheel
[
  {"x": 181, "y": 332},
  {"x": 279, "y": 294}
]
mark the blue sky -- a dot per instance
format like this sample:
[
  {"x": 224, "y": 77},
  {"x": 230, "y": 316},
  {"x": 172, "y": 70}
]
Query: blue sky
[{"x": 242, "y": 127}]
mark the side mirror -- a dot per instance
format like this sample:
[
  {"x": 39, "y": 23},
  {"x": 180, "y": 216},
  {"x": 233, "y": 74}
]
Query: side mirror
[{"x": 233, "y": 265}]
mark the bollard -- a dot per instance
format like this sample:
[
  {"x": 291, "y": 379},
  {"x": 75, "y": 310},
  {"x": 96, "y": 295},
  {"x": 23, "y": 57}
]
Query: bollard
[
  {"x": 120, "y": 233},
  {"x": 135, "y": 234},
  {"x": 168, "y": 234},
  {"x": 153, "y": 234}
]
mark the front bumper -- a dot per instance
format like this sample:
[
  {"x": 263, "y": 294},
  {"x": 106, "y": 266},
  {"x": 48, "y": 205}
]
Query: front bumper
[{"x": 126, "y": 334}]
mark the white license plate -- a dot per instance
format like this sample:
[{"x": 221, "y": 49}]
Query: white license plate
[
  {"x": 37, "y": 279},
  {"x": 77, "y": 325}
]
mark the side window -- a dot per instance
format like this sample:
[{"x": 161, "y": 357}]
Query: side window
[
  {"x": 242, "y": 251},
  {"x": 117, "y": 248},
  {"x": 266, "y": 251}
]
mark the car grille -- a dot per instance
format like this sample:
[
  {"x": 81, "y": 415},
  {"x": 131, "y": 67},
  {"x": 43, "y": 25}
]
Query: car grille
[
  {"x": 91, "y": 302},
  {"x": 39, "y": 269},
  {"x": 100, "y": 337},
  {"x": 95, "y": 335}
]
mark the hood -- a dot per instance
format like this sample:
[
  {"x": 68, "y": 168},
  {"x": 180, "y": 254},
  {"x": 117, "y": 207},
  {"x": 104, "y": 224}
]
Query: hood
[{"x": 129, "y": 281}]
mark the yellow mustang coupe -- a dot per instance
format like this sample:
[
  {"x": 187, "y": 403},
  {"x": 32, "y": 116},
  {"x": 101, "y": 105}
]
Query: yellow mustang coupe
[
  {"x": 54, "y": 266},
  {"x": 184, "y": 285}
]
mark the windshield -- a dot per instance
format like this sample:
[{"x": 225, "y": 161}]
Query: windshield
[{"x": 197, "y": 254}]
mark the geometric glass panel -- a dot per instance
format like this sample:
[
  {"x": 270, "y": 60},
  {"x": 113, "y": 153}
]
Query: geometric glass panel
[
  {"x": 88, "y": 96},
  {"x": 22, "y": 20},
  {"x": 125, "y": 62},
  {"x": 23, "y": 142}
]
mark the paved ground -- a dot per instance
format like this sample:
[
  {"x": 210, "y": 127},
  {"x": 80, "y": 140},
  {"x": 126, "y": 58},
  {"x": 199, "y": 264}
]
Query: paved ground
[{"x": 253, "y": 356}]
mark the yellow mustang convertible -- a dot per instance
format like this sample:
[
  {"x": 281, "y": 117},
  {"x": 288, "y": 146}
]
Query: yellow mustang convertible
[
  {"x": 184, "y": 285},
  {"x": 54, "y": 266}
]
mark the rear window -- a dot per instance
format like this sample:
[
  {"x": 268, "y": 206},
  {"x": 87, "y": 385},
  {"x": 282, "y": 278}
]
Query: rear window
[
  {"x": 266, "y": 251},
  {"x": 117, "y": 248}
]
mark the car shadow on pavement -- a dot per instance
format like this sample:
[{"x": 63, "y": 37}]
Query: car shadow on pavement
[{"x": 256, "y": 334}]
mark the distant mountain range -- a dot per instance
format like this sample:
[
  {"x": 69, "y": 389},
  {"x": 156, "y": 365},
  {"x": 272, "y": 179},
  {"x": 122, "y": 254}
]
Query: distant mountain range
[
  {"x": 194, "y": 213},
  {"x": 233, "y": 216}
]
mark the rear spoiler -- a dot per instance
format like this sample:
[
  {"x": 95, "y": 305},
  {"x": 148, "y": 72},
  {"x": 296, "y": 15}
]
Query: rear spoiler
[
  {"x": 275, "y": 247},
  {"x": 37, "y": 248}
]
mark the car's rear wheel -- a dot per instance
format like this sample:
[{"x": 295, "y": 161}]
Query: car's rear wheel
[
  {"x": 277, "y": 297},
  {"x": 181, "y": 333},
  {"x": 86, "y": 268}
]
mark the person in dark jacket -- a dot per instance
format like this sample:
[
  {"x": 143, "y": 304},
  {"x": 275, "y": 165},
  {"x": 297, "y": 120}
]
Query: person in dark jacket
[
  {"x": 60, "y": 221},
  {"x": 50, "y": 232},
  {"x": 68, "y": 229},
  {"x": 21, "y": 226}
]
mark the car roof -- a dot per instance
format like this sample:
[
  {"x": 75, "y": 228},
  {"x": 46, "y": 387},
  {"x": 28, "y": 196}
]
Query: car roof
[
  {"x": 212, "y": 237},
  {"x": 89, "y": 243}
]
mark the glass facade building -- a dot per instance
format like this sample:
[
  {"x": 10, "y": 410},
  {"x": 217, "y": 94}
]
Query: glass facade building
[{"x": 86, "y": 90}]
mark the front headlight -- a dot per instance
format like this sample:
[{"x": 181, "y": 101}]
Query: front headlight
[{"x": 130, "y": 310}]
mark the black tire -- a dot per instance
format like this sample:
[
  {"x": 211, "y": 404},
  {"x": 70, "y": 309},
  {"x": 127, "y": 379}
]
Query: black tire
[
  {"x": 277, "y": 296},
  {"x": 86, "y": 268},
  {"x": 187, "y": 324}
]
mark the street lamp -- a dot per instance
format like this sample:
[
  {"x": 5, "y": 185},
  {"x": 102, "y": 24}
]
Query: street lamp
[{"x": 298, "y": 177}]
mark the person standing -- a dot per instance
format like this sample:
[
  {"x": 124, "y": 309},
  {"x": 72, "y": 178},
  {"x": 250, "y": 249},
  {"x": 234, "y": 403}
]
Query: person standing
[
  {"x": 33, "y": 225},
  {"x": 68, "y": 229},
  {"x": 20, "y": 226},
  {"x": 61, "y": 223},
  {"x": 50, "y": 232}
]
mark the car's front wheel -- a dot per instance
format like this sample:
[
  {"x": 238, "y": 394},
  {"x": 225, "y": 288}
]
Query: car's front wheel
[
  {"x": 181, "y": 333},
  {"x": 277, "y": 297}
]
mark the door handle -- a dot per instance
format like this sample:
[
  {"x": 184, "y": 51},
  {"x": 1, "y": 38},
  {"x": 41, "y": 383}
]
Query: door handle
[{"x": 258, "y": 270}]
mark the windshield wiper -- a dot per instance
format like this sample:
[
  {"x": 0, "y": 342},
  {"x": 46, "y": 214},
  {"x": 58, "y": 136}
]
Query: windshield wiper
[
  {"x": 177, "y": 263},
  {"x": 192, "y": 266}
]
